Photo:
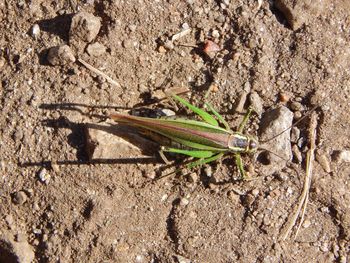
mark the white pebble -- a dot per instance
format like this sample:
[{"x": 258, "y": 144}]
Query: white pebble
[
  {"x": 184, "y": 201},
  {"x": 35, "y": 31},
  {"x": 44, "y": 176},
  {"x": 164, "y": 198},
  {"x": 306, "y": 223},
  {"x": 185, "y": 26},
  {"x": 215, "y": 33}
]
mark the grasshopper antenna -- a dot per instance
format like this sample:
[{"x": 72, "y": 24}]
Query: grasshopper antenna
[
  {"x": 279, "y": 156},
  {"x": 298, "y": 121}
]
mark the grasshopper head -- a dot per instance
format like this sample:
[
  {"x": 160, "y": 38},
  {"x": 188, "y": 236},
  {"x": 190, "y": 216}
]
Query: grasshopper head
[{"x": 242, "y": 143}]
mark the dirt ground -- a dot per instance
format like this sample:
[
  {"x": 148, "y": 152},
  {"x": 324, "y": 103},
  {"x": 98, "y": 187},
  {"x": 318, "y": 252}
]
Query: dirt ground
[{"x": 56, "y": 205}]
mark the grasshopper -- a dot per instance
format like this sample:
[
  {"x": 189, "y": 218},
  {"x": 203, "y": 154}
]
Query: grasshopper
[{"x": 205, "y": 140}]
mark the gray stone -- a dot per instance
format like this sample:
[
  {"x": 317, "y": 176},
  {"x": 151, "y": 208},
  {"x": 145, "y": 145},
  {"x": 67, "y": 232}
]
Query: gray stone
[
  {"x": 60, "y": 55},
  {"x": 96, "y": 49},
  {"x": 19, "y": 197},
  {"x": 84, "y": 27},
  {"x": 272, "y": 124}
]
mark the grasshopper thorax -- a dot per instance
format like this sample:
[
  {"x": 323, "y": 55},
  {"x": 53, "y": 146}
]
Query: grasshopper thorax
[{"x": 242, "y": 143}]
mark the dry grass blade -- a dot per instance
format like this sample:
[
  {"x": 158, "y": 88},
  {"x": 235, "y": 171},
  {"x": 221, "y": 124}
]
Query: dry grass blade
[
  {"x": 309, "y": 166},
  {"x": 304, "y": 197},
  {"x": 98, "y": 72}
]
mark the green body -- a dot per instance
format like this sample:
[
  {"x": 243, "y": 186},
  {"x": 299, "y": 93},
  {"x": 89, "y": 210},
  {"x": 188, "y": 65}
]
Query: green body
[{"x": 205, "y": 139}]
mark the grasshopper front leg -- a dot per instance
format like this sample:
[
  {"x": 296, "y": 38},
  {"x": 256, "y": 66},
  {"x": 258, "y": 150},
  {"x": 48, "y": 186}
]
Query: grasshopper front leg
[
  {"x": 238, "y": 157},
  {"x": 245, "y": 119}
]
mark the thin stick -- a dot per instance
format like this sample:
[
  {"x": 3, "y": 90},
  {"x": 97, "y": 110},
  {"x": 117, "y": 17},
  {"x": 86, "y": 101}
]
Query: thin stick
[
  {"x": 304, "y": 197},
  {"x": 99, "y": 72},
  {"x": 309, "y": 166}
]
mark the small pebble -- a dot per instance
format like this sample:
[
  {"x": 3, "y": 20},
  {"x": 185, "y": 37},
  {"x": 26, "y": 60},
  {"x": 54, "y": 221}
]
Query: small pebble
[
  {"x": 29, "y": 192},
  {"x": 213, "y": 88},
  {"x": 150, "y": 174},
  {"x": 161, "y": 49},
  {"x": 215, "y": 33},
  {"x": 164, "y": 198},
  {"x": 184, "y": 201},
  {"x": 208, "y": 171},
  {"x": 96, "y": 49},
  {"x": 193, "y": 177},
  {"x": 35, "y": 31},
  {"x": 255, "y": 192},
  {"x": 283, "y": 97},
  {"x": 210, "y": 48},
  {"x": 45, "y": 238},
  {"x": 296, "y": 106},
  {"x": 297, "y": 115},
  {"x": 214, "y": 187},
  {"x": 322, "y": 159},
  {"x": 182, "y": 259},
  {"x": 235, "y": 198},
  {"x": 324, "y": 247},
  {"x": 301, "y": 142},
  {"x": 266, "y": 221},
  {"x": 169, "y": 45},
  {"x": 60, "y": 55},
  {"x": 295, "y": 134},
  {"x": 306, "y": 223},
  {"x": 139, "y": 258},
  {"x": 44, "y": 176},
  {"x": 9, "y": 220},
  {"x": 20, "y": 198},
  {"x": 325, "y": 209},
  {"x": 36, "y": 206},
  {"x": 297, "y": 154},
  {"x": 127, "y": 43},
  {"x": 249, "y": 199},
  {"x": 341, "y": 156},
  {"x": 256, "y": 102},
  {"x": 37, "y": 231},
  {"x": 185, "y": 26}
]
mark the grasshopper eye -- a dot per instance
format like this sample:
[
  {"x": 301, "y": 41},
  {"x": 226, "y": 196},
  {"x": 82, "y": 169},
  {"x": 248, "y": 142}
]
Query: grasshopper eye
[{"x": 253, "y": 145}]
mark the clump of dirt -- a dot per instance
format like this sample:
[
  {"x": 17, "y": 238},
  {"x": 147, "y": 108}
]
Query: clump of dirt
[{"x": 73, "y": 205}]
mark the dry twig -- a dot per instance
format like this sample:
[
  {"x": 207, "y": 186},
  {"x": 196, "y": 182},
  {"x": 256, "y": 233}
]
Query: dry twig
[
  {"x": 98, "y": 72},
  {"x": 304, "y": 197}
]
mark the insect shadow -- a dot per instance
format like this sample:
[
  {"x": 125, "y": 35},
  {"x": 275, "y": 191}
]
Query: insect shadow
[{"x": 78, "y": 138}]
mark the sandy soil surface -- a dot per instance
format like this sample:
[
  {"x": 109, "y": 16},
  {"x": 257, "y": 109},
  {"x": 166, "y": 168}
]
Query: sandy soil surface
[{"x": 61, "y": 203}]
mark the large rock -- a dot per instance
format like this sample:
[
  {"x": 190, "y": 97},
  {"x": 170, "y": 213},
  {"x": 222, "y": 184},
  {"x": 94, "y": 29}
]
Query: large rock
[
  {"x": 273, "y": 123},
  {"x": 84, "y": 29}
]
